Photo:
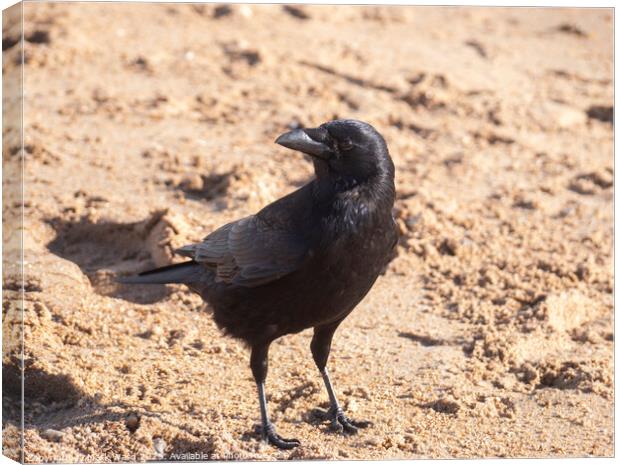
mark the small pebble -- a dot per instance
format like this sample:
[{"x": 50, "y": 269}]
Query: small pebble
[
  {"x": 52, "y": 435},
  {"x": 246, "y": 11},
  {"x": 132, "y": 422},
  {"x": 159, "y": 445},
  {"x": 192, "y": 182}
]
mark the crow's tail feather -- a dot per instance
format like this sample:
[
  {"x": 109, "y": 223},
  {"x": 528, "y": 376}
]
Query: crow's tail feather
[{"x": 180, "y": 273}]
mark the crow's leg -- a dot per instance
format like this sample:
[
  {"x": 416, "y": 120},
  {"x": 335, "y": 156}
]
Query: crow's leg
[
  {"x": 320, "y": 346},
  {"x": 258, "y": 363}
]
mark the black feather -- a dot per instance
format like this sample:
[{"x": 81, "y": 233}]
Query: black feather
[{"x": 180, "y": 273}]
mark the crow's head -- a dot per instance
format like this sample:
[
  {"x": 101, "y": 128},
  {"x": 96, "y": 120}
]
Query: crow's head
[{"x": 344, "y": 147}]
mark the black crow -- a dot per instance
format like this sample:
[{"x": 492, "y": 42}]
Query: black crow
[{"x": 305, "y": 261}]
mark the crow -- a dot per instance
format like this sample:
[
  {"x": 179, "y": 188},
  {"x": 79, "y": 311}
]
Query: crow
[{"x": 304, "y": 261}]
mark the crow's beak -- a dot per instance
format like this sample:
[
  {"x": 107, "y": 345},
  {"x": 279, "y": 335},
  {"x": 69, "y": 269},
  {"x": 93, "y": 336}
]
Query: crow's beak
[{"x": 304, "y": 140}]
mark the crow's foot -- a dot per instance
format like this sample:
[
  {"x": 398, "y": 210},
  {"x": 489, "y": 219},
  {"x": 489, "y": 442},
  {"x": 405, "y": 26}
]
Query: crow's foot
[
  {"x": 269, "y": 435},
  {"x": 339, "y": 422}
]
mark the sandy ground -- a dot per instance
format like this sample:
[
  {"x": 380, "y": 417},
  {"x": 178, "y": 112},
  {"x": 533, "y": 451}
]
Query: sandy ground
[{"x": 147, "y": 126}]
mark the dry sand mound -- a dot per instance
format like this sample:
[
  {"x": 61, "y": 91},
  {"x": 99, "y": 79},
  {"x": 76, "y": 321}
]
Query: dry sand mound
[{"x": 147, "y": 126}]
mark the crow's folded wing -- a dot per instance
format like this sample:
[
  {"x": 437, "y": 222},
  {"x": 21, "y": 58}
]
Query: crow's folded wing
[{"x": 249, "y": 252}]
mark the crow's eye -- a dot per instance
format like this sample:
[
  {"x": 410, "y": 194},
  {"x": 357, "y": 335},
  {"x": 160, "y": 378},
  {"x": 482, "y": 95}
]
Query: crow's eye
[{"x": 345, "y": 145}]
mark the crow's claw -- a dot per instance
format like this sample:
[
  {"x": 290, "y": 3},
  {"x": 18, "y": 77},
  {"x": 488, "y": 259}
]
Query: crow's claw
[
  {"x": 269, "y": 435},
  {"x": 339, "y": 422}
]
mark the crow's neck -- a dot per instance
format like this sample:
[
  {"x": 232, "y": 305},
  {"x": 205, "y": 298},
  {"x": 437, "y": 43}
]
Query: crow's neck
[{"x": 378, "y": 189}]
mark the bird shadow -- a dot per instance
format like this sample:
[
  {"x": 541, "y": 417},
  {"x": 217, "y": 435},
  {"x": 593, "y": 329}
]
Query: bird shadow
[{"x": 105, "y": 249}]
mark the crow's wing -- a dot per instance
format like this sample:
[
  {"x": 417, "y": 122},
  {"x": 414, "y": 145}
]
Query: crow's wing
[{"x": 249, "y": 252}]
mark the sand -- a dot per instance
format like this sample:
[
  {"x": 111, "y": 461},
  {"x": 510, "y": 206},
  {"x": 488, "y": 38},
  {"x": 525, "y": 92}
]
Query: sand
[{"x": 147, "y": 126}]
